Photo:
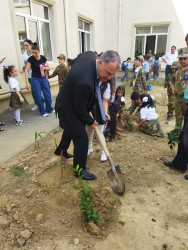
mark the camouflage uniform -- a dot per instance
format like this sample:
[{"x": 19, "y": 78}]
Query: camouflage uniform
[
  {"x": 170, "y": 80},
  {"x": 151, "y": 127},
  {"x": 15, "y": 101},
  {"x": 62, "y": 72},
  {"x": 140, "y": 86},
  {"x": 180, "y": 86}
]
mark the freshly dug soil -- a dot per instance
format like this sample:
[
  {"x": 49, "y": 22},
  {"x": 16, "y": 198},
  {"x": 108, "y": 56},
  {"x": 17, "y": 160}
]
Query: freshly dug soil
[{"x": 37, "y": 211}]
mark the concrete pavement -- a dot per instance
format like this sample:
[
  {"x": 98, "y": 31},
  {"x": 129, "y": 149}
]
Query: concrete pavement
[{"x": 15, "y": 139}]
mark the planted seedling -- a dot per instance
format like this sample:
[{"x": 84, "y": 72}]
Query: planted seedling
[
  {"x": 87, "y": 211},
  {"x": 17, "y": 170},
  {"x": 128, "y": 124},
  {"x": 36, "y": 145},
  {"x": 62, "y": 163},
  {"x": 173, "y": 136}
]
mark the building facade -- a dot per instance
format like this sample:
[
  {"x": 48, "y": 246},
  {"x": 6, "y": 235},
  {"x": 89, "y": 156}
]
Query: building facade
[{"x": 74, "y": 26}]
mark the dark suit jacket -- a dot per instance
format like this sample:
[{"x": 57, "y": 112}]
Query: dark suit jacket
[{"x": 76, "y": 97}]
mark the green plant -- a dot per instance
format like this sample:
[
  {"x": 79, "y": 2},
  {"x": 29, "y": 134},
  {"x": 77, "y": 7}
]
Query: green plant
[
  {"x": 36, "y": 145},
  {"x": 128, "y": 124},
  {"x": 173, "y": 136},
  {"x": 62, "y": 163},
  {"x": 87, "y": 211},
  {"x": 17, "y": 170}
]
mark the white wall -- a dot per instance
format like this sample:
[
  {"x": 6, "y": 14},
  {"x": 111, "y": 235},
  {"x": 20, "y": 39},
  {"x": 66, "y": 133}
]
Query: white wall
[{"x": 153, "y": 12}]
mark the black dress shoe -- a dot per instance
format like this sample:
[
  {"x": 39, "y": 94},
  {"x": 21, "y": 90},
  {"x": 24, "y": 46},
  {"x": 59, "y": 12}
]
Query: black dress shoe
[
  {"x": 67, "y": 155},
  {"x": 168, "y": 164},
  {"x": 186, "y": 176},
  {"x": 86, "y": 175},
  {"x": 171, "y": 166}
]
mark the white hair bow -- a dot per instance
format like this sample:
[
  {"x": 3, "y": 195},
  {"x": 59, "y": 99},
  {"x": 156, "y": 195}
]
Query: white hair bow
[
  {"x": 122, "y": 99},
  {"x": 145, "y": 99}
]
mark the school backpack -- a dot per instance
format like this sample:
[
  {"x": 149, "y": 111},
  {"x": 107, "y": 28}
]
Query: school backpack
[
  {"x": 123, "y": 67},
  {"x": 156, "y": 67}
]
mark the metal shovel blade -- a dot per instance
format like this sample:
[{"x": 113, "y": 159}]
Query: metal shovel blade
[{"x": 116, "y": 180}]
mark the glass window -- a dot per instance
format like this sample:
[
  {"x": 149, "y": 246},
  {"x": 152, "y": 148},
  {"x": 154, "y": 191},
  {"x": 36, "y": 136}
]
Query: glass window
[
  {"x": 40, "y": 11},
  {"x": 161, "y": 45},
  {"x": 143, "y": 30},
  {"x": 151, "y": 39},
  {"x": 21, "y": 31},
  {"x": 86, "y": 26},
  {"x": 45, "y": 31},
  {"x": 160, "y": 29},
  {"x": 87, "y": 41},
  {"x": 139, "y": 45},
  {"x": 84, "y": 35},
  {"x": 33, "y": 32},
  {"x": 22, "y": 6},
  {"x": 80, "y": 24}
]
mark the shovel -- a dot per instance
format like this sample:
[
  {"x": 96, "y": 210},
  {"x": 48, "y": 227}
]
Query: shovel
[{"x": 114, "y": 174}]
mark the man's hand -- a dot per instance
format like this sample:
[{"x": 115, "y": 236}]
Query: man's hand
[
  {"x": 1, "y": 61},
  {"x": 107, "y": 117},
  {"x": 94, "y": 124}
]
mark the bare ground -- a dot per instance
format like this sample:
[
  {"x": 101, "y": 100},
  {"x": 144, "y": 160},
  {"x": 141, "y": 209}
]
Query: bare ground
[{"x": 39, "y": 212}]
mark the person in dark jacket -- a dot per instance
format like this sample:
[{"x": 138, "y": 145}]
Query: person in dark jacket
[{"x": 76, "y": 99}]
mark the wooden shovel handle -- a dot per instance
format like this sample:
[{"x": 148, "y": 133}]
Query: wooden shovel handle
[{"x": 100, "y": 139}]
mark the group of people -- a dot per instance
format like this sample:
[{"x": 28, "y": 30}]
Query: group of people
[
  {"x": 36, "y": 70},
  {"x": 86, "y": 100}
]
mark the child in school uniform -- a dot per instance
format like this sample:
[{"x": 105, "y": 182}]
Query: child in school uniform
[
  {"x": 148, "y": 120},
  {"x": 126, "y": 67},
  {"x": 17, "y": 99},
  {"x": 61, "y": 70},
  {"x": 145, "y": 64}
]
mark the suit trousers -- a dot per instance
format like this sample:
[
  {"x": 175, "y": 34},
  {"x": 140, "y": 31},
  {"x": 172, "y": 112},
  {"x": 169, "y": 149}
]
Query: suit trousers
[
  {"x": 80, "y": 147},
  {"x": 181, "y": 159}
]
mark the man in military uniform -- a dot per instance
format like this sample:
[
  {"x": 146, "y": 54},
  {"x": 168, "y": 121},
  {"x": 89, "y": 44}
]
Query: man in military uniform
[
  {"x": 180, "y": 86},
  {"x": 61, "y": 70},
  {"x": 170, "y": 81},
  {"x": 139, "y": 81},
  {"x": 181, "y": 159}
]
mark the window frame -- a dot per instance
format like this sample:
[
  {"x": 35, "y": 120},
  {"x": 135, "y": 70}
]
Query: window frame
[
  {"x": 150, "y": 34},
  {"x": 84, "y": 31},
  {"x": 38, "y": 20}
]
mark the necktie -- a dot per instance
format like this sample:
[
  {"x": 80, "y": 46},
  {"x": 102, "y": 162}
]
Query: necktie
[{"x": 100, "y": 102}]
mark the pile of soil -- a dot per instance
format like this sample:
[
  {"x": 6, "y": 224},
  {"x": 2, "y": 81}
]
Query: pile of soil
[{"x": 37, "y": 211}]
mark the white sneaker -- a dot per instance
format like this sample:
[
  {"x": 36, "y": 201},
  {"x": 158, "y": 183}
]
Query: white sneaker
[
  {"x": 45, "y": 115},
  {"x": 53, "y": 111},
  {"x": 90, "y": 150},
  {"x": 103, "y": 157},
  {"x": 35, "y": 107}
]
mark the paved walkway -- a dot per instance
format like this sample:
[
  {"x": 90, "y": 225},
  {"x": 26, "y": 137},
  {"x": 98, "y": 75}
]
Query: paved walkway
[{"x": 15, "y": 139}]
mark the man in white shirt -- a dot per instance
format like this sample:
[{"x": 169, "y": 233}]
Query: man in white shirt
[{"x": 169, "y": 58}]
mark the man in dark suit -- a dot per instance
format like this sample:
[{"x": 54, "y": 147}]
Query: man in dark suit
[{"x": 76, "y": 99}]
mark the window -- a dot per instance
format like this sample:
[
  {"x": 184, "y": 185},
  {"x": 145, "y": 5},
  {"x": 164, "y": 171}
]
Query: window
[
  {"x": 151, "y": 38},
  {"x": 33, "y": 23},
  {"x": 84, "y": 35}
]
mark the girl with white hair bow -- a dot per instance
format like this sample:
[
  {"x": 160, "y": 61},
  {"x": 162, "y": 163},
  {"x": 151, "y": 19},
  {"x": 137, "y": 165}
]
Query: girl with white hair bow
[{"x": 148, "y": 121}]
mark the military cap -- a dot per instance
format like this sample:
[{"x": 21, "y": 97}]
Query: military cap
[
  {"x": 186, "y": 38},
  {"x": 175, "y": 65},
  {"x": 183, "y": 52},
  {"x": 140, "y": 58},
  {"x": 62, "y": 56}
]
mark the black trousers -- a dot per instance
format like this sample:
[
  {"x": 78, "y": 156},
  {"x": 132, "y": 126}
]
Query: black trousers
[
  {"x": 80, "y": 147},
  {"x": 181, "y": 159}
]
